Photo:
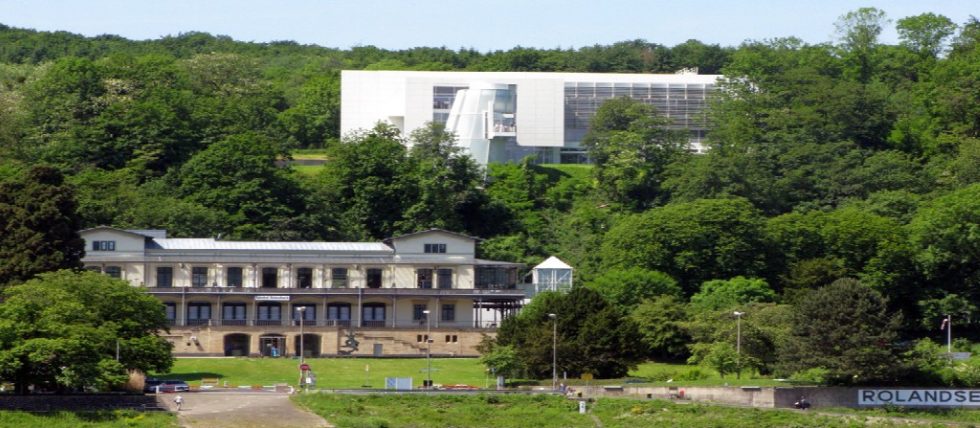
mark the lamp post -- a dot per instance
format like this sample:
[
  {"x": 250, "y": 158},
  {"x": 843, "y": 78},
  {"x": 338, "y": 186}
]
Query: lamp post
[
  {"x": 554, "y": 351},
  {"x": 428, "y": 349},
  {"x": 302, "y": 355},
  {"x": 738, "y": 343}
]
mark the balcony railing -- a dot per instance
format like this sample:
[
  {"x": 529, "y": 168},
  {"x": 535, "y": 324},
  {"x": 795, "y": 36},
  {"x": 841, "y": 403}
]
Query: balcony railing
[
  {"x": 234, "y": 322},
  {"x": 268, "y": 322},
  {"x": 199, "y": 322},
  {"x": 498, "y": 290}
]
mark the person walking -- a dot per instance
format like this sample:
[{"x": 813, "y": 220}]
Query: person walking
[{"x": 178, "y": 400}]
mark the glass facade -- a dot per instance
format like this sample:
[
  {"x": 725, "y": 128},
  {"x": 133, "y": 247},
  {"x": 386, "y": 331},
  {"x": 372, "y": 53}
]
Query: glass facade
[
  {"x": 442, "y": 101},
  {"x": 683, "y": 103}
]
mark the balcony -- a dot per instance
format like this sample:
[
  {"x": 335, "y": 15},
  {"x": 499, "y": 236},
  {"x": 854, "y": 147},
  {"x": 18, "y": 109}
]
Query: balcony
[{"x": 500, "y": 291}]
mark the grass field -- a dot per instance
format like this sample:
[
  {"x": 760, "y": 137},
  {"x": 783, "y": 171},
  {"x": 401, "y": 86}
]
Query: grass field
[
  {"x": 330, "y": 372},
  {"x": 544, "y": 411},
  {"x": 127, "y": 419},
  {"x": 335, "y": 373}
]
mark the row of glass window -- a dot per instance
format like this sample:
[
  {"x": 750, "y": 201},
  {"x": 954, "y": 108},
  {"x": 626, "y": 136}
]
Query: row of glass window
[
  {"x": 304, "y": 277},
  {"x": 272, "y": 311}
]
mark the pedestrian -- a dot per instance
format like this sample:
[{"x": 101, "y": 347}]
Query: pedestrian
[{"x": 178, "y": 400}]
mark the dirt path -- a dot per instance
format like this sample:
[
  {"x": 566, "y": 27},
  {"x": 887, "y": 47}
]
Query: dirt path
[{"x": 243, "y": 410}]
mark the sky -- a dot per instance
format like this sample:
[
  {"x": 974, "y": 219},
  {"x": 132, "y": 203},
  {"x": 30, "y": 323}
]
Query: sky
[{"x": 478, "y": 24}]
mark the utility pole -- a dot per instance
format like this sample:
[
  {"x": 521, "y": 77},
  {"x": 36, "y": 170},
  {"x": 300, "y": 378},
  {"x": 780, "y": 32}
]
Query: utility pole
[{"x": 554, "y": 351}]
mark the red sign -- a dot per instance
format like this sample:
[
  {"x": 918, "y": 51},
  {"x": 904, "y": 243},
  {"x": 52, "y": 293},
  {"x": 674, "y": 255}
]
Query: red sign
[{"x": 304, "y": 366}]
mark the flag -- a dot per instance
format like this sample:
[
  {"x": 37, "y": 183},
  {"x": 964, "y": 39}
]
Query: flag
[{"x": 945, "y": 322}]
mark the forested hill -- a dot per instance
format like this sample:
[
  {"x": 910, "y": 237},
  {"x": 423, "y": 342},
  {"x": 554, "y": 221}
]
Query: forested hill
[{"x": 854, "y": 159}]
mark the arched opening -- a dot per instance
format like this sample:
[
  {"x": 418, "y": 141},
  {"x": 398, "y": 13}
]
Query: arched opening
[
  {"x": 236, "y": 345},
  {"x": 272, "y": 345},
  {"x": 311, "y": 345}
]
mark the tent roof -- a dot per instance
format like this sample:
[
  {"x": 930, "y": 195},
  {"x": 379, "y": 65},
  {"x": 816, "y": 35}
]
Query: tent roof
[{"x": 553, "y": 263}]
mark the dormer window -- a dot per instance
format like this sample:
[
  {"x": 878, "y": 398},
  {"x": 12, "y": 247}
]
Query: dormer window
[
  {"x": 103, "y": 245},
  {"x": 435, "y": 248}
]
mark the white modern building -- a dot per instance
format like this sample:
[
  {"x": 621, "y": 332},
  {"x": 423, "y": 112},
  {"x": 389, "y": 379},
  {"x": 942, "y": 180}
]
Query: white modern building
[
  {"x": 254, "y": 298},
  {"x": 506, "y": 116}
]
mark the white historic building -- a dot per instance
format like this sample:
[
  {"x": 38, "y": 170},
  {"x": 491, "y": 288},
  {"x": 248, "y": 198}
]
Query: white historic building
[
  {"x": 505, "y": 116},
  {"x": 248, "y": 297}
]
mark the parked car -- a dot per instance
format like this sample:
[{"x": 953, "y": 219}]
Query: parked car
[{"x": 167, "y": 385}]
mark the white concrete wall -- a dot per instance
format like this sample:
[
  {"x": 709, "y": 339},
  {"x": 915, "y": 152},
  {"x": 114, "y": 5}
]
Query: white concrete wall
[
  {"x": 415, "y": 244},
  {"x": 126, "y": 244}
]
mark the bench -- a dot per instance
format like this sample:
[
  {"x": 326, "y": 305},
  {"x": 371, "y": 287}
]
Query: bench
[{"x": 209, "y": 382}]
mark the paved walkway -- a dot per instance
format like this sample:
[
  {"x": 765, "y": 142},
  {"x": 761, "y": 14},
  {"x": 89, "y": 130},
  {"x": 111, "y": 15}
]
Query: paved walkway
[{"x": 242, "y": 410}]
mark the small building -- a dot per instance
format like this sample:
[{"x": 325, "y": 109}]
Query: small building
[
  {"x": 252, "y": 298},
  {"x": 551, "y": 275}
]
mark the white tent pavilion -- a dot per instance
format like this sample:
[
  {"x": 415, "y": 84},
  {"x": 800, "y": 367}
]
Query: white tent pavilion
[{"x": 552, "y": 275}]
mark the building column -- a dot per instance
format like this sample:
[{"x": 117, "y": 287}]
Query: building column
[
  {"x": 394, "y": 310},
  {"x": 216, "y": 313},
  {"x": 182, "y": 316},
  {"x": 437, "y": 312}
]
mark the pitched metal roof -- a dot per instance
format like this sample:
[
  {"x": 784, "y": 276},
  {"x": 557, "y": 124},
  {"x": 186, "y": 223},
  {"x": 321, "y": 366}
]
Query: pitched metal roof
[{"x": 211, "y": 244}]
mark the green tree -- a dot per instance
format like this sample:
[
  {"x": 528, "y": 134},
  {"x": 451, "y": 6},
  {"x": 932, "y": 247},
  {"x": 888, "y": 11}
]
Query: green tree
[
  {"x": 592, "y": 336},
  {"x": 721, "y": 356},
  {"x": 239, "y": 176},
  {"x": 692, "y": 242},
  {"x": 847, "y": 329},
  {"x": 627, "y": 288},
  {"x": 945, "y": 243},
  {"x": 444, "y": 179},
  {"x": 660, "y": 321},
  {"x": 926, "y": 33},
  {"x": 38, "y": 225},
  {"x": 858, "y": 31},
  {"x": 365, "y": 183},
  {"x": 631, "y": 146},
  {"x": 725, "y": 294},
  {"x": 62, "y": 330}
]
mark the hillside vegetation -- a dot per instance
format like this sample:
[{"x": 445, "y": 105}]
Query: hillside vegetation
[{"x": 854, "y": 163}]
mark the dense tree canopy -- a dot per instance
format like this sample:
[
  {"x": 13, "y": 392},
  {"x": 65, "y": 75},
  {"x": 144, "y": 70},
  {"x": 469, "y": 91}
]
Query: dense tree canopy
[
  {"x": 38, "y": 225},
  {"x": 60, "y": 331}
]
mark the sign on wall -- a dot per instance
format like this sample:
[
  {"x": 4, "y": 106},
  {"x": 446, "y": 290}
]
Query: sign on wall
[
  {"x": 272, "y": 298},
  {"x": 920, "y": 397}
]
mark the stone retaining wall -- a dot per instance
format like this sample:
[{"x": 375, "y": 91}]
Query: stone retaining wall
[{"x": 88, "y": 402}]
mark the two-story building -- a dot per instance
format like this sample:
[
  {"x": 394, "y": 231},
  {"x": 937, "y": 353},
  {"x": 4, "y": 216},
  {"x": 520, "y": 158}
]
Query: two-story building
[{"x": 248, "y": 297}]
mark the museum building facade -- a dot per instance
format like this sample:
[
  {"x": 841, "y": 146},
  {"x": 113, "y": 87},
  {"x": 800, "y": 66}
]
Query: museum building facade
[{"x": 391, "y": 298}]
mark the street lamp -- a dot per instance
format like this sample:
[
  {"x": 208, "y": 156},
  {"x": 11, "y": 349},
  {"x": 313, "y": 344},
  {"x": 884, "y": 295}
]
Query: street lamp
[
  {"x": 554, "y": 351},
  {"x": 738, "y": 344},
  {"x": 428, "y": 349},
  {"x": 302, "y": 355}
]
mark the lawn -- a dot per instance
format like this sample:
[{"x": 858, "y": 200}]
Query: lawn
[
  {"x": 332, "y": 373},
  {"x": 544, "y": 411},
  {"x": 105, "y": 419},
  {"x": 338, "y": 373}
]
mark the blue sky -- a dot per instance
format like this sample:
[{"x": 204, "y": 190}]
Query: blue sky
[{"x": 479, "y": 24}]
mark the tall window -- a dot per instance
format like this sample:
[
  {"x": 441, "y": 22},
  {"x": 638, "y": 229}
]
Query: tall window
[
  {"x": 198, "y": 313},
  {"x": 165, "y": 276},
  {"x": 309, "y": 312},
  {"x": 270, "y": 277},
  {"x": 199, "y": 276},
  {"x": 269, "y": 311},
  {"x": 304, "y": 278},
  {"x": 418, "y": 312},
  {"x": 103, "y": 245},
  {"x": 234, "y": 276},
  {"x": 373, "y": 314},
  {"x": 233, "y": 312},
  {"x": 170, "y": 309},
  {"x": 374, "y": 278},
  {"x": 113, "y": 271},
  {"x": 449, "y": 312},
  {"x": 338, "y": 277},
  {"x": 444, "y": 278},
  {"x": 338, "y": 311},
  {"x": 424, "y": 278},
  {"x": 435, "y": 248}
]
